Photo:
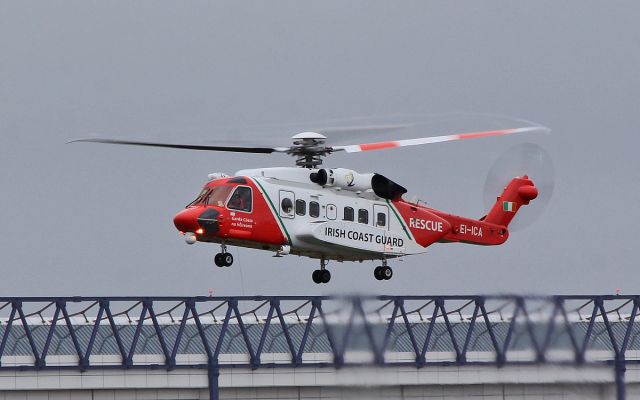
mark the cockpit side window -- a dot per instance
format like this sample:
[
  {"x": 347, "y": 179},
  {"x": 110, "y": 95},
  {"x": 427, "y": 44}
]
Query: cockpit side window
[{"x": 241, "y": 199}]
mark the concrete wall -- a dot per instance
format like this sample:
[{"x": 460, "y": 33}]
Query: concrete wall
[
  {"x": 473, "y": 382},
  {"x": 431, "y": 392}
]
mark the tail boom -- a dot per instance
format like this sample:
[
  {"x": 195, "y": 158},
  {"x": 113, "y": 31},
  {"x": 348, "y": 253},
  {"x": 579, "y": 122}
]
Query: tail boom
[
  {"x": 473, "y": 231},
  {"x": 492, "y": 228},
  {"x": 426, "y": 225}
]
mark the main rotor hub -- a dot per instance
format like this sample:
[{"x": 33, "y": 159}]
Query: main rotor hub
[
  {"x": 308, "y": 136},
  {"x": 309, "y": 148}
]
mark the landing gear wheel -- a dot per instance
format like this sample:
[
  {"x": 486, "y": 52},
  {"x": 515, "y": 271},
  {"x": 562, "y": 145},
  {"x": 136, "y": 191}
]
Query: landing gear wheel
[
  {"x": 321, "y": 276},
  {"x": 325, "y": 276},
  {"x": 383, "y": 273},
  {"x": 227, "y": 259},
  {"x": 387, "y": 273},
  {"x": 218, "y": 260},
  {"x": 316, "y": 276}
]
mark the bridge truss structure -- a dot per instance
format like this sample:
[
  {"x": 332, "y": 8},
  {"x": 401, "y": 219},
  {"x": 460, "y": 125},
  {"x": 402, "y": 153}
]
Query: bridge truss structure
[{"x": 215, "y": 333}]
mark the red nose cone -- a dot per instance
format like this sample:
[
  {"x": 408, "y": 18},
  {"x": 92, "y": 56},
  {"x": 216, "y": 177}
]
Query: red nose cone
[{"x": 186, "y": 220}]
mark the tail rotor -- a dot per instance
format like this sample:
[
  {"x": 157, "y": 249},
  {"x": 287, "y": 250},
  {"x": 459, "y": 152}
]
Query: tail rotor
[{"x": 524, "y": 159}]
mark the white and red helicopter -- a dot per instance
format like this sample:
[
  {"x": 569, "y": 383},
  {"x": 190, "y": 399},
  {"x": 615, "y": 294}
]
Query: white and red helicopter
[{"x": 332, "y": 213}]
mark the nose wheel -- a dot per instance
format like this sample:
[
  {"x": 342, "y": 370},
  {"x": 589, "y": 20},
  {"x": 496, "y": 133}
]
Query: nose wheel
[
  {"x": 383, "y": 272},
  {"x": 223, "y": 259},
  {"x": 321, "y": 275}
]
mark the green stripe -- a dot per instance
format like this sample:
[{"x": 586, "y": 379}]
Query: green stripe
[
  {"x": 404, "y": 227},
  {"x": 275, "y": 211}
]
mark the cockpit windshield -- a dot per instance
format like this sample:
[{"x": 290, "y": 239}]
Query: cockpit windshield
[
  {"x": 212, "y": 196},
  {"x": 200, "y": 198}
]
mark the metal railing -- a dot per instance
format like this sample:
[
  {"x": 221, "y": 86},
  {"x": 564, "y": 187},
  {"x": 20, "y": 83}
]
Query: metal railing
[{"x": 518, "y": 330}]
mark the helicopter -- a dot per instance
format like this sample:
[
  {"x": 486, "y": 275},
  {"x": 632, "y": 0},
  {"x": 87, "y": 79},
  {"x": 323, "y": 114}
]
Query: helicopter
[{"x": 332, "y": 213}]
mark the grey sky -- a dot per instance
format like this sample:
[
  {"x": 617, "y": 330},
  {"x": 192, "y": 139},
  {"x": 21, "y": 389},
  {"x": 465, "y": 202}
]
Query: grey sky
[{"x": 94, "y": 220}]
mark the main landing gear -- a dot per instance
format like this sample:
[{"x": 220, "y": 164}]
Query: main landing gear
[
  {"x": 321, "y": 275},
  {"x": 223, "y": 259},
  {"x": 383, "y": 272}
]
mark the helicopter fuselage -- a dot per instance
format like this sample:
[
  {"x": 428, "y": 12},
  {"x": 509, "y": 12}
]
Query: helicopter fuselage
[{"x": 341, "y": 215}]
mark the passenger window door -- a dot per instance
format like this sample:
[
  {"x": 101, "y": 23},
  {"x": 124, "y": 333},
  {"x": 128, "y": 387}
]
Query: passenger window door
[
  {"x": 332, "y": 211},
  {"x": 381, "y": 216},
  {"x": 286, "y": 205}
]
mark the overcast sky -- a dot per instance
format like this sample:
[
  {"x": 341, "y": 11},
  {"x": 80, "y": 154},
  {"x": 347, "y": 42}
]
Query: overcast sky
[{"x": 88, "y": 219}]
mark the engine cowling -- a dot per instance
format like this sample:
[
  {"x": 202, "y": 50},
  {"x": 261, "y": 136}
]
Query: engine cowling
[{"x": 356, "y": 182}]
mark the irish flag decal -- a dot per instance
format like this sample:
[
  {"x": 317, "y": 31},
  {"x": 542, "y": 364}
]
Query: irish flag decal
[{"x": 509, "y": 206}]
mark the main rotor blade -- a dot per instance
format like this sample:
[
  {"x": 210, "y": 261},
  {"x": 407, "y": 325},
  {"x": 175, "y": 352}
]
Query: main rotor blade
[
  {"x": 235, "y": 149},
  {"x": 432, "y": 139},
  {"x": 373, "y": 128}
]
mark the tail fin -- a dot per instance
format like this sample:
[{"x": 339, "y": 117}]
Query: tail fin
[{"x": 519, "y": 192}]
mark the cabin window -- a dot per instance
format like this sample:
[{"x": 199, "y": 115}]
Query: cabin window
[
  {"x": 348, "y": 214},
  {"x": 363, "y": 216},
  {"x": 314, "y": 209},
  {"x": 241, "y": 199},
  {"x": 301, "y": 207},
  {"x": 381, "y": 219},
  {"x": 287, "y": 205}
]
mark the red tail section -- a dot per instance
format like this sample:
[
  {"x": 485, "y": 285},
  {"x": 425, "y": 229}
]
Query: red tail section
[{"x": 519, "y": 192}]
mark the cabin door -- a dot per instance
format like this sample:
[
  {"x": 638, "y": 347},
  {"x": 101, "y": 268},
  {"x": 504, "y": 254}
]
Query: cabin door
[{"x": 287, "y": 204}]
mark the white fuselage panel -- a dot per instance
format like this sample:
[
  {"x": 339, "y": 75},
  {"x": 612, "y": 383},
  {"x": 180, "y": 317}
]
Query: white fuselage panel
[{"x": 333, "y": 223}]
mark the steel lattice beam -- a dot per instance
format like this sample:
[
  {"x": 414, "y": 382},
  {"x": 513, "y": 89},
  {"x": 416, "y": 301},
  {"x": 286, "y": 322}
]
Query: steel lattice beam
[{"x": 425, "y": 322}]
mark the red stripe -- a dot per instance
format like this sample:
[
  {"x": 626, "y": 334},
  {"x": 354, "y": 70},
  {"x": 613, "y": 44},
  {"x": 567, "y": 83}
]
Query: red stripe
[
  {"x": 486, "y": 133},
  {"x": 378, "y": 146}
]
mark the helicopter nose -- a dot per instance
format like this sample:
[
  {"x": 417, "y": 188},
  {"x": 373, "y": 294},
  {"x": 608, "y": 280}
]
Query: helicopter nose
[{"x": 187, "y": 220}]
